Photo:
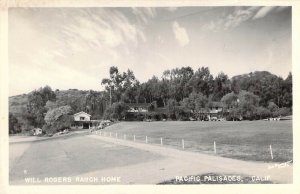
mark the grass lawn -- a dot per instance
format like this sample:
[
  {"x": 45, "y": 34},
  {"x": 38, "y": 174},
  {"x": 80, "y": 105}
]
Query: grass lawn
[{"x": 247, "y": 140}]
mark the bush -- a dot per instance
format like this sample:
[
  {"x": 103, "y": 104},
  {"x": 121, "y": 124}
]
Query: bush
[
  {"x": 58, "y": 119},
  {"x": 282, "y": 112},
  {"x": 157, "y": 116},
  {"x": 140, "y": 117},
  {"x": 172, "y": 117},
  {"x": 181, "y": 114}
]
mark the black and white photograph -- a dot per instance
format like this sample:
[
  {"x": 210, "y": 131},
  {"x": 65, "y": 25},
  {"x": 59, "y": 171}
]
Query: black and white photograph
[{"x": 150, "y": 95}]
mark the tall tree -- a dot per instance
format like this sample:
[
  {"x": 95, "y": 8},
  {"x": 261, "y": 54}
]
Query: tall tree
[
  {"x": 36, "y": 105},
  {"x": 202, "y": 81},
  {"x": 221, "y": 86}
]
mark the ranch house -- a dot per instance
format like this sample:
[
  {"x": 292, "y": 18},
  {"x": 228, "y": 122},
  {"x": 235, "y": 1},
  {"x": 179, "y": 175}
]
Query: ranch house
[
  {"x": 215, "y": 111},
  {"x": 82, "y": 120},
  {"x": 138, "y": 107}
]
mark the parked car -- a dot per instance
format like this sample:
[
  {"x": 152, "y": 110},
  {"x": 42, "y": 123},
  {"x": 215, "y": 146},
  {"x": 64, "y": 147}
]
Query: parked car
[
  {"x": 100, "y": 126},
  {"x": 213, "y": 118}
]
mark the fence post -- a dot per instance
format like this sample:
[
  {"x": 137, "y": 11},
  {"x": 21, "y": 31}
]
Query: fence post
[
  {"x": 133, "y": 137},
  {"x": 110, "y": 134},
  {"x": 183, "y": 144},
  {"x": 116, "y": 135},
  {"x": 161, "y": 143},
  {"x": 125, "y": 137},
  {"x": 146, "y": 139},
  {"x": 271, "y": 152},
  {"x": 215, "y": 148}
]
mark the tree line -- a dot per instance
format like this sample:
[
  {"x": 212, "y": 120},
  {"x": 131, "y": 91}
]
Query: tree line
[
  {"x": 179, "y": 92},
  {"x": 183, "y": 91}
]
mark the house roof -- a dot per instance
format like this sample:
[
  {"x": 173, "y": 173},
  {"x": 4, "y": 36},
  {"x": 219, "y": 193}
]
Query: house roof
[{"x": 82, "y": 113}]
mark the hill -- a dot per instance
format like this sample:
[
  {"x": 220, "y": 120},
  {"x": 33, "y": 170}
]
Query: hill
[{"x": 77, "y": 99}]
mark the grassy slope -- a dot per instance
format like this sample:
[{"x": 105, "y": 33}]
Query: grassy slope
[{"x": 248, "y": 140}]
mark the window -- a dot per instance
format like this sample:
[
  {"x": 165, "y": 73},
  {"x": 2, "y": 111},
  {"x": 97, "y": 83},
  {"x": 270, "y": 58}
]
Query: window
[{"x": 82, "y": 118}]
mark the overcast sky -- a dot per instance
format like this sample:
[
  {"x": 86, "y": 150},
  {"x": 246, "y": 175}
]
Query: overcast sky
[{"x": 74, "y": 47}]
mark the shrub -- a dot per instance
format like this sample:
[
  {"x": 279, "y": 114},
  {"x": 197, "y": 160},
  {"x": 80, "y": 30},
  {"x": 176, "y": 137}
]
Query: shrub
[
  {"x": 282, "y": 112},
  {"x": 14, "y": 125},
  {"x": 157, "y": 116},
  {"x": 140, "y": 117},
  {"x": 181, "y": 114},
  {"x": 58, "y": 119}
]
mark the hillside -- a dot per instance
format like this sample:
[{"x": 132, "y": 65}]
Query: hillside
[{"x": 73, "y": 97}]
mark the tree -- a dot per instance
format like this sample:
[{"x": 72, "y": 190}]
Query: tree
[
  {"x": 51, "y": 105},
  {"x": 36, "y": 105},
  {"x": 163, "y": 90},
  {"x": 117, "y": 111},
  {"x": 195, "y": 102},
  {"x": 280, "y": 112},
  {"x": 272, "y": 108},
  {"x": 235, "y": 86},
  {"x": 114, "y": 83},
  {"x": 243, "y": 104},
  {"x": 14, "y": 126},
  {"x": 230, "y": 100},
  {"x": 287, "y": 92},
  {"x": 262, "y": 112},
  {"x": 221, "y": 86},
  {"x": 171, "y": 108},
  {"x": 248, "y": 103},
  {"x": 93, "y": 104},
  {"x": 58, "y": 119},
  {"x": 202, "y": 81}
]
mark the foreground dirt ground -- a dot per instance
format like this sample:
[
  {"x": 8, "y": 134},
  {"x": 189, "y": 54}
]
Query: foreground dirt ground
[{"x": 133, "y": 163}]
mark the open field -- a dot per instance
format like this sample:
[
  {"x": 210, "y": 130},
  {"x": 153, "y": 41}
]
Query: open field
[{"x": 247, "y": 140}]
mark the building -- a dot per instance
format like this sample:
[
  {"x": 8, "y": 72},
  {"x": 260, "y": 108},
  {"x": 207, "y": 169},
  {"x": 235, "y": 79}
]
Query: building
[
  {"x": 82, "y": 120},
  {"x": 138, "y": 107},
  {"x": 214, "y": 111},
  {"x": 138, "y": 111},
  {"x": 82, "y": 116}
]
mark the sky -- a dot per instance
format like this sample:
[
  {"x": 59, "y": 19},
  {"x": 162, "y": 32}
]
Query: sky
[{"x": 68, "y": 48}]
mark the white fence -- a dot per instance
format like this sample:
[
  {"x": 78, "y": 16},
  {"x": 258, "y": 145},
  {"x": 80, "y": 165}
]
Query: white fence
[{"x": 183, "y": 144}]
